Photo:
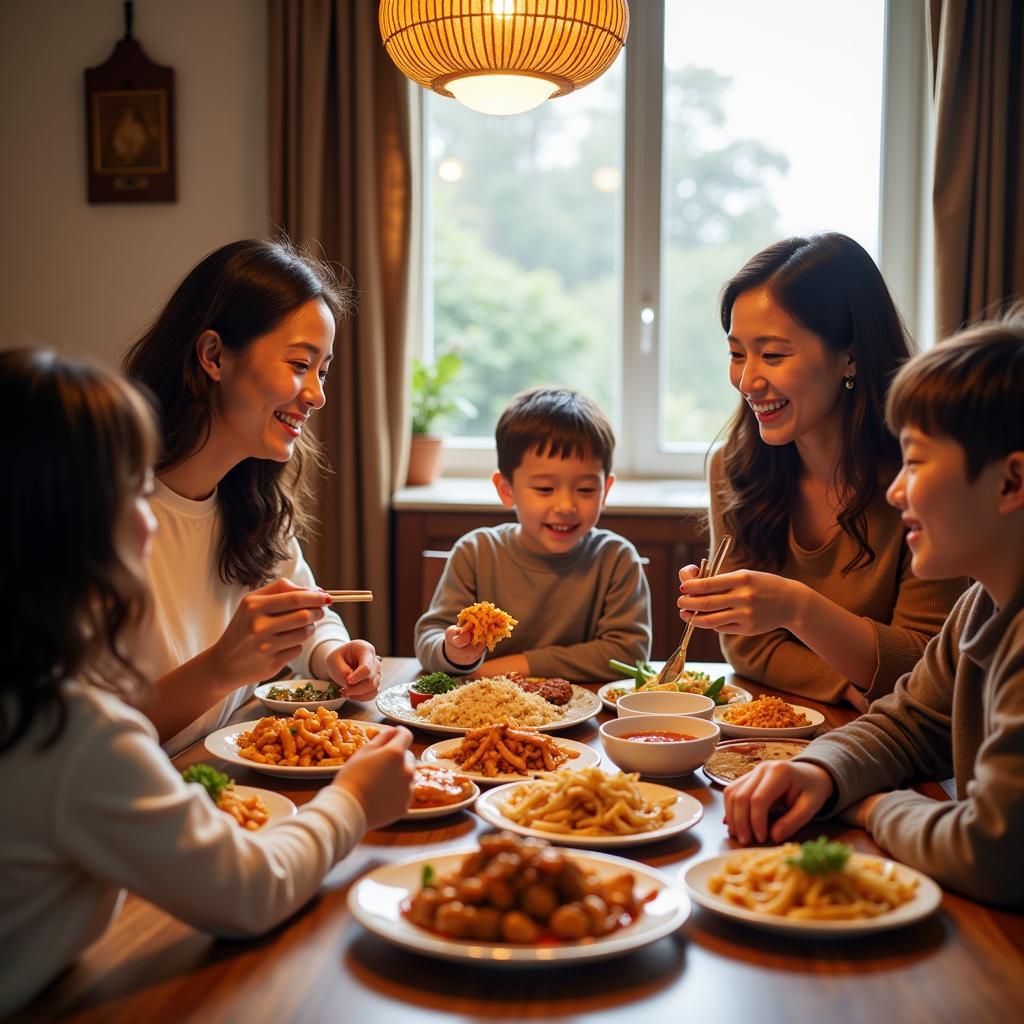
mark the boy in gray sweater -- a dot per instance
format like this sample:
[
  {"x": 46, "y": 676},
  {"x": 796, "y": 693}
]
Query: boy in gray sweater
[
  {"x": 579, "y": 593},
  {"x": 960, "y": 711}
]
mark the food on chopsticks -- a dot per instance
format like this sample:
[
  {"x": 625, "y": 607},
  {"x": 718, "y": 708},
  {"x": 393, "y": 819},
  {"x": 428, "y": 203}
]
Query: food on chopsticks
[
  {"x": 308, "y": 739},
  {"x": 734, "y": 759},
  {"x": 305, "y": 694},
  {"x": 690, "y": 681},
  {"x": 765, "y": 713},
  {"x": 433, "y": 786},
  {"x": 587, "y": 802},
  {"x": 430, "y": 686},
  {"x": 250, "y": 812},
  {"x": 819, "y": 880},
  {"x": 503, "y": 750},
  {"x": 486, "y": 623},
  {"x": 523, "y": 891},
  {"x": 487, "y": 701}
]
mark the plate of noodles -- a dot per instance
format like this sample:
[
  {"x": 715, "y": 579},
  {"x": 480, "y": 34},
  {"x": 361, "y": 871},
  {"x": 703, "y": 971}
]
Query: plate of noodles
[
  {"x": 767, "y": 716},
  {"x": 264, "y": 745},
  {"x": 590, "y": 808},
  {"x": 767, "y": 888},
  {"x": 481, "y": 702}
]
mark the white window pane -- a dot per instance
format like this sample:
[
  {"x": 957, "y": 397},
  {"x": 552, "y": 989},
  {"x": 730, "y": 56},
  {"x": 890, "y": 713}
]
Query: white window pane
[
  {"x": 525, "y": 247},
  {"x": 772, "y": 128}
]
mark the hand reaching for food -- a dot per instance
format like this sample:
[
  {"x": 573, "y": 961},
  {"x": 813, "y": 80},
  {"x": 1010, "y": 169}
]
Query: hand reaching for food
[{"x": 379, "y": 775}]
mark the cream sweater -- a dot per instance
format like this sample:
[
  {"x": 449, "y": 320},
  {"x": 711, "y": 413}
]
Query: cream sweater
[
  {"x": 904, "y": 612},
  {"x": 192, "y": 605},
  {"x": 102, "y": 809}
]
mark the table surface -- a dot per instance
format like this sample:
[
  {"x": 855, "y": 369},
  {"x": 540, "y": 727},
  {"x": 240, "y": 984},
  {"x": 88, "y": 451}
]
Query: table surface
[{"x": 964, "y": 963}]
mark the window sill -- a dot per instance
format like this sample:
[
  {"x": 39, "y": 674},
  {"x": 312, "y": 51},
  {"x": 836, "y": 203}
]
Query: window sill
[{"x": 627, "y": 497}]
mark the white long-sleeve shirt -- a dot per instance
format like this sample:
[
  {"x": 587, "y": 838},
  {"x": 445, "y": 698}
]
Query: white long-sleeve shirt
[
  {"x": 192, "y": 605},
  {"x": 102, "y": 809}
]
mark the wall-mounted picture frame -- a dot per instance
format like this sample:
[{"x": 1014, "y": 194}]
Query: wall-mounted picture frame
[{"x": 129, "y": 104}]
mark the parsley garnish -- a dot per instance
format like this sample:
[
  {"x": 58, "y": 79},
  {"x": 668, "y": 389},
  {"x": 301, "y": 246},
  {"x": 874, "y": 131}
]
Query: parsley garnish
[{"x": 819, "y": 856}]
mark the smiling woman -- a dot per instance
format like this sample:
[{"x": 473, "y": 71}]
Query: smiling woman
[{"x": 237, "y": 360}]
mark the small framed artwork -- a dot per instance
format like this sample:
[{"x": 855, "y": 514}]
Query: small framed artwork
[{"x": 130, "y": 125}]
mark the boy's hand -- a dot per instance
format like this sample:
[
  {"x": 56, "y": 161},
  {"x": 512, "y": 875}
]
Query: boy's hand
[
  {"x": 798, "y": 789},
  {"x": 458, "y": 649}
]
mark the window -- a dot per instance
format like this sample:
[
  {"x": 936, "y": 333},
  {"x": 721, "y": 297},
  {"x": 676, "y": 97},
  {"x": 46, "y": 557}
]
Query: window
[{"x": 585, "y": 242}]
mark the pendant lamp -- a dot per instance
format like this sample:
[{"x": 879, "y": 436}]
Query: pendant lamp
[{"x": 503, "y": 56}]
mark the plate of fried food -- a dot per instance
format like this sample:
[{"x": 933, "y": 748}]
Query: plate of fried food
[
  {"x": 437, "y": 791},
  {"x": 821, "y": 889},
  {"x": 537, "y": 703},
  {"x": 502, "y": 753},
  {"x": 591, "y": 808},
  {"x": 734, "y": 758},
  {"x": 308, "y": 744},
  {"x": 251, "y": 809},
  {"x": 587, "y": 906},
  {"x": 767, "y": 716}
]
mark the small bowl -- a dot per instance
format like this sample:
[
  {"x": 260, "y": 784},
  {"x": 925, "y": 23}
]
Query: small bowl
[
  {"x": 665, "y": 702},
  {"x": 289, "y": 707},
  {"x": 659, "y": 760},
  {"x": 746, "y": 732}
]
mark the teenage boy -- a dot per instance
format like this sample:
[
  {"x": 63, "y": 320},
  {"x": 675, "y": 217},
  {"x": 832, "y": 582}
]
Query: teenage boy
[
  {"x": 958, "y": 412},
  {"x": 579, "y": 593}
]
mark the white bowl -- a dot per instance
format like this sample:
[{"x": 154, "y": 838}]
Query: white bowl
[
  {"x": 814, "y": 719},
  {"x": 289, "y": 707},
  {"x": 659, "y": 760},
  {"x": 665, "y": 702}
]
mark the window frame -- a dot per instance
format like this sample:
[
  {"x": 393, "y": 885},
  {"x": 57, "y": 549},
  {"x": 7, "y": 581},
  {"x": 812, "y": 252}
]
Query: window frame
[{"x": 904, "y": 238}]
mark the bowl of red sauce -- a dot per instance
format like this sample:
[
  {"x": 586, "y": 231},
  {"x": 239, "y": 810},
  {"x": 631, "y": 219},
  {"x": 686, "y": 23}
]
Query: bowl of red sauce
[{"x": 659, "y": 746}]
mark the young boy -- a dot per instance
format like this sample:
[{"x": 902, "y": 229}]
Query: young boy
[
  {"x": 959, "y": 412},
  {"x": 579, "y": 593}
]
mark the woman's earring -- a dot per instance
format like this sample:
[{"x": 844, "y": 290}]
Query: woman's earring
[{"x": 848, "y": 381}]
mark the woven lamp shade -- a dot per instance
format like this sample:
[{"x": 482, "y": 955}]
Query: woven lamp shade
[{"x": 488, "y": 52}]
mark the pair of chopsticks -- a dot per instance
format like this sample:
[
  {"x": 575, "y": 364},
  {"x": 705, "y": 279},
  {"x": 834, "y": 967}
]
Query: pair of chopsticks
[
  {"x": 673, "y": 668},
  {"x": 349, "y": 596}
]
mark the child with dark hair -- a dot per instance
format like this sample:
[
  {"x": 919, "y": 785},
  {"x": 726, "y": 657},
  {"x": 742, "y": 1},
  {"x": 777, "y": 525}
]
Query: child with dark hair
[
  {"x": 960, "y": 712},
  {"x": 238, "y": 360},
  {"x": 816, "y": 596},
  {"x": 90, "y": 803},
  {"x": 579, "y": 592}
]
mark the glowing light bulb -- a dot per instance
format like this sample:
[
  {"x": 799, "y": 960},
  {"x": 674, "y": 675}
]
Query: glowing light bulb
[{"x": 502, "y": 94}]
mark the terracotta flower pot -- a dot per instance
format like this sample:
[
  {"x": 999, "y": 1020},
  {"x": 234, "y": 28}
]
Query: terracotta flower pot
[{"x": 424, "y": 460}]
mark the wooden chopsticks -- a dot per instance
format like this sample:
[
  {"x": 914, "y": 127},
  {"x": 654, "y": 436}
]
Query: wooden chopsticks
[{"x": 349, "y": 596}]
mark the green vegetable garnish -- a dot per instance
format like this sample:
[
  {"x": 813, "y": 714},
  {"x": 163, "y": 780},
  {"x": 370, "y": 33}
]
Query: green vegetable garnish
[
  {"x": 304, "y": 694},
  {"x": 820, "y": 856},
  {"x": 436, "y": 682},
  {"x": 641, "y": 671},
  {"x": 213, "y": 781},
  {"x": 714, "y": 691},
  {"x": 427, "y": 877}
]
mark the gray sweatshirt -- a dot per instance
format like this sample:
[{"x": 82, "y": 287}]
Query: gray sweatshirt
[
  {"x": 960, "y": 712},
  {"x": 575, "y": 610}
]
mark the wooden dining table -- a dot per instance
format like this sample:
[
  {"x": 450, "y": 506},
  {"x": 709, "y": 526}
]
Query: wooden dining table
[{"x": 965, "y": 963}]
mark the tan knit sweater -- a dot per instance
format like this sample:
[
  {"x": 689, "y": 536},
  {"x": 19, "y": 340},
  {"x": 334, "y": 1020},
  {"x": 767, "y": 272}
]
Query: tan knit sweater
[
  {"x": 962, "y": 711},
  {"x": 905, "y": 612}
]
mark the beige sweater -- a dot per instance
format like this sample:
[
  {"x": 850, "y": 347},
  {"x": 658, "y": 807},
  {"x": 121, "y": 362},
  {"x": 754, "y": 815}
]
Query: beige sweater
[
  {"x": 960, "y": 711},
  {"x": 904, "y": 612}
]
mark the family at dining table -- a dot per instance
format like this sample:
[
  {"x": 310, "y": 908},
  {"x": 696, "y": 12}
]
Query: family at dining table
[{"x": 865, "y": 489}]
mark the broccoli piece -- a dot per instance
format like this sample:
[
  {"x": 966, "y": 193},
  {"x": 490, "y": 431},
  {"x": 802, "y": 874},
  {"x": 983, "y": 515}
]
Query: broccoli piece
[
  {"x": 213, "y": 781},
  {"x": 436, "y": 682},
  {"x": 819, "y": 857}
]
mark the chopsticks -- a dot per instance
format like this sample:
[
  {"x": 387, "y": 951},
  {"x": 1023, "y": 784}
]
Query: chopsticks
[
  {"x": 349, "y": 596},
  {"x": 673, "y": 668}
]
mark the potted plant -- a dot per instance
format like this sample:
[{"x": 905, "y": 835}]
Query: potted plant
[{"x": 431, "y": 399}]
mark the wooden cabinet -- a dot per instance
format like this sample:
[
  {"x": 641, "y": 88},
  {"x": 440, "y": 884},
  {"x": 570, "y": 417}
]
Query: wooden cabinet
[{"x": 667, "y": 541}]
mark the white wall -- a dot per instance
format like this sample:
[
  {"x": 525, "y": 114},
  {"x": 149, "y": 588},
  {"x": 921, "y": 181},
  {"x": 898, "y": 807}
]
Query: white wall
[{"x": 86, "y": 279}]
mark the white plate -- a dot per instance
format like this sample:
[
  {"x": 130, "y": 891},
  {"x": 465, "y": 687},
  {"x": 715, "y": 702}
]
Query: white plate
[
  {"x": 394, "y": 703},
  {"x": 278, "y": 805},
  {"x": 925, "y": 901},
  {"x": 418, "y": 813},
  {"x": 222, "y": 744},
  {"x": 685, "y": 813},
  {"x": 747, "y": 747},
  {"x": 737, "y": 695},
  {"x": 289, "y": 707},
  {"x": 742, "y": 732},
  {"x": 438, "y": 754},
  {"x": 376, "y": 903}
]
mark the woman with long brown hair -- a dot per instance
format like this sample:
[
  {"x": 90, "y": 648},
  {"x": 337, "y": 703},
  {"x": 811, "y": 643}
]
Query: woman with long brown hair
[
  {"x": 817, "y": 596},
  {"x": 237, "y": 360}
]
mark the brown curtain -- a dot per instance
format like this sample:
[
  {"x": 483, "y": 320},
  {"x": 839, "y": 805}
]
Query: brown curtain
[
  {"x": 341, "y": 176},
  {"x": 977, "y": 64}
]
